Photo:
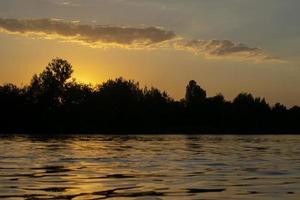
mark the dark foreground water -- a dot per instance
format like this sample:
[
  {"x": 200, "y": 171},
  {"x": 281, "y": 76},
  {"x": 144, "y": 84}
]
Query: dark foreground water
[{"x": 150, "y": 167}]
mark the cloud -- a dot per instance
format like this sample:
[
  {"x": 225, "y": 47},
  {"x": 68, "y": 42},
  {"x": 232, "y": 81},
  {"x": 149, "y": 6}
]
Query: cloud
[
  {"x": 87, "y": 34},
  {"x": 223, "y": 49},
  {"x": 64, "y": 3},
  {"x": 131, "y": 38}
]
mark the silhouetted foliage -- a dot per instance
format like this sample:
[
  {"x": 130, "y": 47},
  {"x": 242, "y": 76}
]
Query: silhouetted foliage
[
  {"x": 48, "y": 87},
  {"x": 194, "y": 95},
  {"x": 53, "y": 102}
]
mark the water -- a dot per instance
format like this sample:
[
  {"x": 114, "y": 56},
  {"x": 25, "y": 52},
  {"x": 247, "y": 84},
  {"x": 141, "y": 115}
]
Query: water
[{"x": 150, "y": 167}]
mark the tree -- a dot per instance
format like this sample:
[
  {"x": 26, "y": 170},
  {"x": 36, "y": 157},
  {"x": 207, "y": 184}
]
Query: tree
[
  {"x": 279, "y": 108},
  {"x": 48, "y": 87},
  {"x": 56, "y": 74},
  {"x": 10, "y": 94},
  {"x": 155, "y": 96},
  {"x": 243, "y": 100},
  {"x": 119, "y": 96},
  {"x": 194, "y": 94},
  {"x": 120, "y": 90},
  {"x": 54, "y": 103},
  {"x": 77, "y": 93}
]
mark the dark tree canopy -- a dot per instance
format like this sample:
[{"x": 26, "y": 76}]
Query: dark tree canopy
[
  {"x": 55, "y": 103},
  {"x": 194, "y": 94},
  {"x": 49, "y": 86}
]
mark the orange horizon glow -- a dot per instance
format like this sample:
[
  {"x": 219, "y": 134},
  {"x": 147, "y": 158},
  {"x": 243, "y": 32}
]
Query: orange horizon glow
[{"x": 228, "y": 52}]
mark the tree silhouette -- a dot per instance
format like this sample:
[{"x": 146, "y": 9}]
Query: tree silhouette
[
  {"x": 76, "y": 93},
  {"x": 48, "y": 87},
  {"x": 54, "y": 103},
  {"x": 194, "y": 94}
]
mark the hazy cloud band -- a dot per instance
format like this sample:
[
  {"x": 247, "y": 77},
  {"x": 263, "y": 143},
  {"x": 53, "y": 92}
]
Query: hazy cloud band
[
  {"x": 87, "y": 33},
  {"x": 129, "y": 37},
  {"x": 223, "y": 49}
]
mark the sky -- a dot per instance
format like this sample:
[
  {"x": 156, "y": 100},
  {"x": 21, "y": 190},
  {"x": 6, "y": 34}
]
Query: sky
[{"x": 227, "y": 46}]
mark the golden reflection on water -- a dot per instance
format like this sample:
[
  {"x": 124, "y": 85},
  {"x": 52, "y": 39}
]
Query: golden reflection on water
[{"x": 150, "y": 167}]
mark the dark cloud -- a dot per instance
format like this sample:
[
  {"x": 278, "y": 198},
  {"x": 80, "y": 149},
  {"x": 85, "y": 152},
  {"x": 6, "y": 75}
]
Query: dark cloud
[
  {"x": 223, "y": 48},
  {"x": 89, "y": 34},
  {"x": 129, "y": 37}
]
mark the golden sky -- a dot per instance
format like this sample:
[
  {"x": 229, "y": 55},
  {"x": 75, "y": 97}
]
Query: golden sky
[{"x": 228, "y": 46}]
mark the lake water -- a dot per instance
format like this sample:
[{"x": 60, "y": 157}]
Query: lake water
[{"x": 150, "y": 167}]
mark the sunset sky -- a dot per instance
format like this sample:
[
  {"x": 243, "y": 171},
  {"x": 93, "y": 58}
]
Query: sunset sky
[{"x": 227, "y": 46}]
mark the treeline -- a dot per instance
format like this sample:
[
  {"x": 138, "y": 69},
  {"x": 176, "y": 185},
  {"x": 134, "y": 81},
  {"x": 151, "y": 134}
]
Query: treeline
[{"x": 55, "y": 103}]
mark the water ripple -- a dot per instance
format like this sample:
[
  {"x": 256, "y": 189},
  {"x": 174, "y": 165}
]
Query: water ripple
[{"x": 149, "y": 167}]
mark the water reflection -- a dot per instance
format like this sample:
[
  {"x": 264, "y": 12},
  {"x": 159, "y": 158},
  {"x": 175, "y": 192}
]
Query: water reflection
[{"x": 150, "y": 167}]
